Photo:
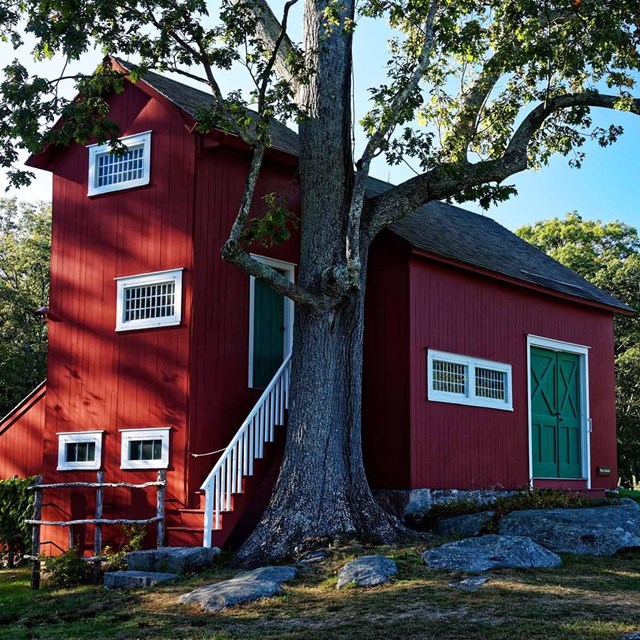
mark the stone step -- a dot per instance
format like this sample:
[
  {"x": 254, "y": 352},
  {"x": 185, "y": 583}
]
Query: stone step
[
  {"x": 172, "y": 559},
  {"x": 136, "y": 579}
]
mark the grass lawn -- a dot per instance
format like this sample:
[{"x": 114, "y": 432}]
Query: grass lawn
[{"x": 585, "y": 599}]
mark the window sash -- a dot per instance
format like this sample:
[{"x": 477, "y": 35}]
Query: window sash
[
  {"x": 145, "y": 448},
  {"x": 78, "y": 450},
  {"x": 149, "y": 300},
  {"x": 470, "y": 381},
  {"x": 110, "y": 172}
]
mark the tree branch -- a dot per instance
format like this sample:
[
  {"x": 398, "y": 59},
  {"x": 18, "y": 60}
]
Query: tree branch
[
  {"x": 233, "y": 252},
  {"x": 375, "y": 143},
  {"x": 275, "y": 35},
  {"x": 446, "y": 180}
]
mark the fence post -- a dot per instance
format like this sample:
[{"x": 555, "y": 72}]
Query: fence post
[
  {"x": 35, "y": 536},
  {"x": 162, "y": 479},
  {"x": 97, "y": 533}
]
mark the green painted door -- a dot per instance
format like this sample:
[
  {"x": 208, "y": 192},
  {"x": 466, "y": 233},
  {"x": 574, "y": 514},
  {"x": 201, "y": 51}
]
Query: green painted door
[
  {"x": 555, "y": 414},
  {"x": 268, "y": 333}
]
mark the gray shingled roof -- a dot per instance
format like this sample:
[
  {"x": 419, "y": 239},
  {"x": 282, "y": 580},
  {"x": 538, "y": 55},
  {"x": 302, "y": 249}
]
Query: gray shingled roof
[
  {"x": 437, "y": 228},
  {"x": 192, "y": 100}
]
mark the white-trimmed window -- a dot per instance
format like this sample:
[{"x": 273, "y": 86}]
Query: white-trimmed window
[
  {"x": 466, "y": 380},
  {"x": 145, "y": 448},
  {"x": 109, "y": 171},
  {"x": 149, "y": 300},
  {"x": 79, "y": 450}
]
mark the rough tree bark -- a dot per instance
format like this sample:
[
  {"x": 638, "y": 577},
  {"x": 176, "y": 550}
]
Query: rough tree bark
[{"x": 322, "y": 492}]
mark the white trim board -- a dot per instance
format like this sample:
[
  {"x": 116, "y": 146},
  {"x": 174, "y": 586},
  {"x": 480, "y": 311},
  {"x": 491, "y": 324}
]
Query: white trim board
[
  {"x": 289, "y": 269},
  {"x": 585, "y": 418}
]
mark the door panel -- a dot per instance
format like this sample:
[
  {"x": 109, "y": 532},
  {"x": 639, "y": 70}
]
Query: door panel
[
  {"x": 556, "y": 431},
  {"x": 268, "y": 333},
  {"x": 569, "y": 415}
]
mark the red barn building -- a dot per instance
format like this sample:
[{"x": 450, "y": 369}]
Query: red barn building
[{"x": 486, "y": 362}]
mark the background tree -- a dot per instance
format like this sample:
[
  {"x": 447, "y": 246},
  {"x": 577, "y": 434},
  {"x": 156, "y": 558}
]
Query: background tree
[
  {"x": 607, "y": 254},
  {"x": 25, "y": 241},
  {"x": 475, "y": 92}
]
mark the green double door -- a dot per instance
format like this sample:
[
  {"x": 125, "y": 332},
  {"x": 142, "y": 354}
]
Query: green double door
[
  {"x": 556, "y": 429},
  {"x": 268, "y": 333}
]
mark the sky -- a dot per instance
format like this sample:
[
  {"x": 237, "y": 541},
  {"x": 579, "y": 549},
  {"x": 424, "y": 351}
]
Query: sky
[{"x": 606, "y": 187}]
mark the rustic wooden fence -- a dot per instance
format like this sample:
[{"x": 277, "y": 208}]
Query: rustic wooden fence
[{"x": 98, "y": 521}]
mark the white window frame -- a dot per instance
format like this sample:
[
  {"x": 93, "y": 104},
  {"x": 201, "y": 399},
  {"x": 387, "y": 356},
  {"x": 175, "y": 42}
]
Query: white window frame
[
  {"x": 69, "y": 437},
  {"x": 98, "y": 150},
  {"x": 289, "y": 269},
  {"x": 157, "y": 277},
  {"x": 131, "y": 435},
  {"x": 469, "y": 398}
]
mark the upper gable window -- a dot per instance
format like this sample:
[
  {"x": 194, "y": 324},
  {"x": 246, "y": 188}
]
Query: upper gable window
[
  {"x": 149, "y": 300},
  {"x": 111, "y": 172},
  {"x": 465, "y": 380}
]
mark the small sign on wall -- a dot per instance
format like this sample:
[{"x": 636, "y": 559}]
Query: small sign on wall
[{"x": 604, "y": 471}]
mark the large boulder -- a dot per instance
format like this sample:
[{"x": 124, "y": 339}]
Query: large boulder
[
  {"x": 245, "y": 587},
  {"x": 367, "y": 571},
  {"x": 596, "y": 531},
  {"x": 172, "y": 559},
  {"x": 135, "y": 579},
  {"x": 464, "y": 526},
  {"x": 475, "y": 555}
]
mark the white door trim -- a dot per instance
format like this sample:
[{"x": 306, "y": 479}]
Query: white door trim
[
  {"x": 289, "y": 269},
  {"x": 585, "y": 419}
]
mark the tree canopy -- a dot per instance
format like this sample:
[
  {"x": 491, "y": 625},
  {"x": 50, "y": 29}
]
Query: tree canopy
[
  {"x": 25, "y": 240},
  {"x": 607, "y": 254}
]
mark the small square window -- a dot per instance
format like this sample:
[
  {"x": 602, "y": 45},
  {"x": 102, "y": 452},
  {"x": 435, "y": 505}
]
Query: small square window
[
  {"x": 109, "y": 171},
  {"x": 465, "y": 380},
  {"x": 79, "y": 450},
  {"x": 149, "y": 300},
  {"x": 145, "y": 448}
]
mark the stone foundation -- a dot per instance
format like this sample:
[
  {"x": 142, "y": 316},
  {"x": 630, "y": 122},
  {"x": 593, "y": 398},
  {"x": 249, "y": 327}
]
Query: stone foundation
[{"x": 416, "y": 502}]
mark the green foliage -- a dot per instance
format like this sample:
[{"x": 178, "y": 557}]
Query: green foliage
[
  {"x": 134, "y": 535},
  {"x": 274, "y": 227},
  {"x": 16, "y": 505},
  {"x": 536, "y": 499},
  {"x": 66, "y": 570},
  {"x": 25, "y": 241},
  {"x": 607, "y": 254}
]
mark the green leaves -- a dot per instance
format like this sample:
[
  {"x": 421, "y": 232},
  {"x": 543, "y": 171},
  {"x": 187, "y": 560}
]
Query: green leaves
[
  {"x": 16, "y": 505},
  {"x": 25, "y": 239}
]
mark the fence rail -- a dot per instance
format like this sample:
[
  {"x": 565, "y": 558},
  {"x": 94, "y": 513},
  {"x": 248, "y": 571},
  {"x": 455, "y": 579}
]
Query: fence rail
[{"x": 98, "y": 521}]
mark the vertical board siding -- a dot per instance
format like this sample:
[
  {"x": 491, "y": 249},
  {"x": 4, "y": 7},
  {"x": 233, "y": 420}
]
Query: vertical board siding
[
  {"x": 457, "y": 311},
  {"x": 220, "y": 396},
  {"x": 386, "y": 391},
  {"x": 97, "y": 378},
  {"x": 21, "y": 437}
]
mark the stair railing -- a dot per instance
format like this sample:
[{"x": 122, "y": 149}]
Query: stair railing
[{"x": 236, "y": 462}]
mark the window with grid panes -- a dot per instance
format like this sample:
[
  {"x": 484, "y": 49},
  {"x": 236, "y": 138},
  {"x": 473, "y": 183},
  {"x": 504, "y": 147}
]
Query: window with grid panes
[
  {"x": 145, "y": 448},
  {"x": 79, "y": 450},
  {"x": 111, "y": 171},
  {"x": 466, "y": 380},
  {"x": 149, "y": 300}
]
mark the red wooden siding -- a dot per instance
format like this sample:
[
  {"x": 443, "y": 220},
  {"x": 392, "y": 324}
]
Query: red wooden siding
[
  {"x": 97, "y": 378},
  {"x": 386, "y": 390},
  {"x": 454, "y": 310},
  {"x": 220, "y": 397},
  {"x": 21, "y": 437}
]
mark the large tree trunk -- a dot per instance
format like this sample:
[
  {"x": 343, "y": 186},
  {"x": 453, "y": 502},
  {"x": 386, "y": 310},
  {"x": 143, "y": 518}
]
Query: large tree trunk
[{"x": 322, "y": 491}]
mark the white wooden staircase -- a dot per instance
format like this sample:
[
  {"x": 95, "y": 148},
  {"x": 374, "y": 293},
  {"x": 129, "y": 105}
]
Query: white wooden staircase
[{"x": 225, "y": 488}]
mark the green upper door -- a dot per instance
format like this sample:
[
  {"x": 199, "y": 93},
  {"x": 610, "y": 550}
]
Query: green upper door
[
  {"x": 556, "y": 431},
  {"x": 268, "y": 333}
]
